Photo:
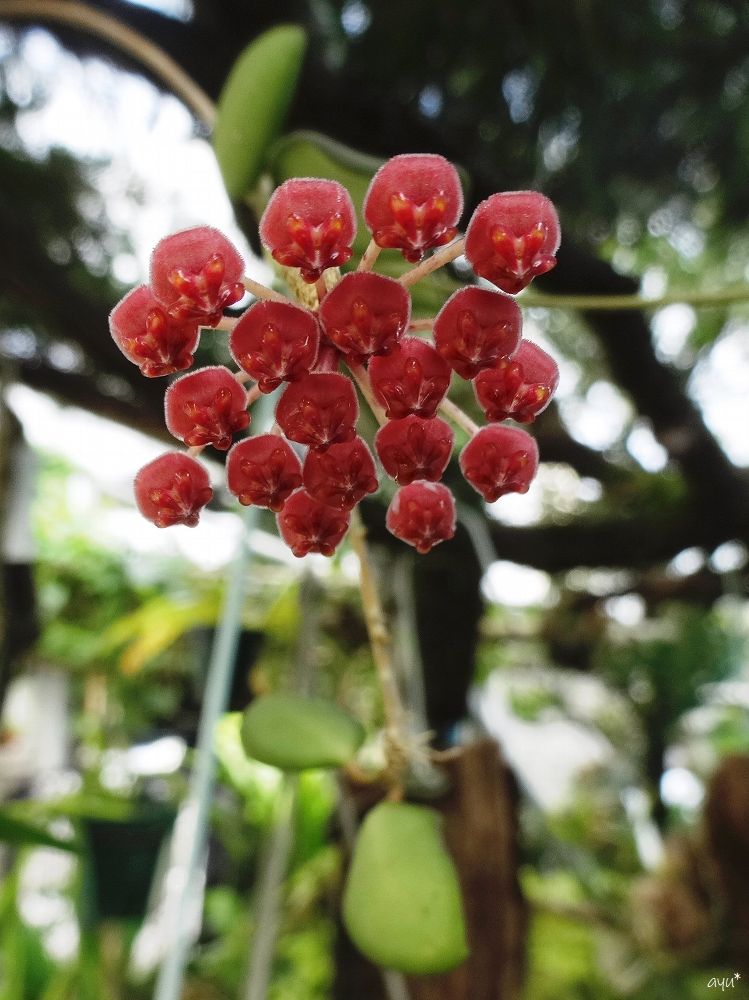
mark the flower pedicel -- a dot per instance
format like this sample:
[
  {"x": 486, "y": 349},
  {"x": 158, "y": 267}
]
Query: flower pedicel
[{"x": 361, "y": 333}]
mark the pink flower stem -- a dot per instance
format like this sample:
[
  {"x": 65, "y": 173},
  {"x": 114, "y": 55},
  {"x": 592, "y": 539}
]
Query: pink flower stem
[
  {"x": 361, "y": 377},
  {"x": 321, "y": 288},
  {"x": 225, "y": 323},
  {"x": 263, "y": 292},
  {"x": 433, "y": 263},
  {"x": 369, "y": 257},
  {"x": 458, "y": 417},
  {"x": 421, "y": 324},
  {"x": 253, "y": 393},
  {"x": 380, "y": 642}
]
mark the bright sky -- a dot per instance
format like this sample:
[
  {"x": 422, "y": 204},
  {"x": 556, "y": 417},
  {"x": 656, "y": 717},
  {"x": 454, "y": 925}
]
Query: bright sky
[{"x": 160, "y": 178}]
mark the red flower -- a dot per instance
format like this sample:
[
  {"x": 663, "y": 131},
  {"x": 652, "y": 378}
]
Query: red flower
[
  {"x": 310, "y": 224},
  {"x": 520, "y": 387},
  {"x": 319, "y": 410},
  {"x": 422, "y": 514},
  {"x": 207, "y": 406},
  {"x": 512, "y": 238},
  {"x": 413, "y": 378},
  {"x": 414, "y": 203},
  {"x": 475, "y": 328},
  {"x": 172, "y": 489},
  {"x": 306, "y": 525},
  {"x": 499, "y": 460},
  {"x": 365, "y": 314},
  {"x": 275, "y": 342},
  {"x": 414, "y": 448},
  {"x": 149, "y": 337},
  {"x": 263, "y": 471},
  {"x": 341, "y": 475},
  {"x": 196, "y": 274}
]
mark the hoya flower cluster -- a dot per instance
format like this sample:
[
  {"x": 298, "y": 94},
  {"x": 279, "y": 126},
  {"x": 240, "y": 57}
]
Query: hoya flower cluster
[{"x": 313, "y": 468}]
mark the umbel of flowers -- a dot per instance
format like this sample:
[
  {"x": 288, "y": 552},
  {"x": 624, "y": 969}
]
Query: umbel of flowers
[{"x": 313, "y": 468}]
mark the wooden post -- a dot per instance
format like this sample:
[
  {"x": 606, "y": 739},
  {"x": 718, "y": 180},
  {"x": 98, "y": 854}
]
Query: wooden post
[{"x": 481, "y": 831}]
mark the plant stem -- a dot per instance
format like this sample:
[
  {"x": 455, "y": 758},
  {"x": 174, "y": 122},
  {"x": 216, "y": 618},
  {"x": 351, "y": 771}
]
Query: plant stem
[
  {"x": 433, "y": 263},
  {"x": 361, "y": 378},
  {"x": 458, "y": 417},
  {"x": 226, "y": 324},
  {"x": 263, "y": 292},
  {"x": 421, "y": 324},
  {"x": 379, "y": 640},
  {"x": 369, "y": 257},
  {"x": 616, "y": 303},
  {"x": 253, "y": 393},
  {"x": 93, "y": 22}
]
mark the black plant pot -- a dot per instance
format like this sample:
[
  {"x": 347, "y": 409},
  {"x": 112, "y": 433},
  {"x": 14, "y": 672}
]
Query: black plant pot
[{"x": 120, "y": 862}]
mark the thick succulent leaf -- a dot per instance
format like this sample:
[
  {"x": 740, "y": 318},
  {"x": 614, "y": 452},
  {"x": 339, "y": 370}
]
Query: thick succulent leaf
[
  {"x": 253, "y": 105},
  {"x": 296, "y": 733},
  {"x": 402, "y": 904}
]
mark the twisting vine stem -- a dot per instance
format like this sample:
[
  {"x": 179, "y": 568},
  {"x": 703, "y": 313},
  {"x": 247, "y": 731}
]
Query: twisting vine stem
[{"x": 379, "y": 640}]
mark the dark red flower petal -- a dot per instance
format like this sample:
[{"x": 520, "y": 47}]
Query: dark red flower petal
[
  {"x": 499, "y": 460},
  {"x": 196, "y": 274},
  {"x": 475, "y": 328},
  {"x": 340, "y": 475},
  {"x": 173, "y": 489},
  {"x": 414, "y": 448},
  {"x": 275, "y": 342},
  {"x": 149, "y": 337},
  {"x": 365, "y": 314},
  {"x": 520, "y": 387},
  {"x": 306, "y": 525},
  {"x": 413, "y": 203},
  {"x": 422, "y": 514},
  {"x": 319, "y": 410},
  {"x": 512, "y": 238},
  {"x": 263, "y": 471},
  {"x": 207, "y": 406},
  {"x": 309, "y": 223},
  {"x": 413, "y": 378}
]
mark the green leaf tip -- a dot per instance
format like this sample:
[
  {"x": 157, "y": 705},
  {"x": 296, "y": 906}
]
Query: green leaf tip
[
  {"x": 296, "y": 733},
  {"x": 22, "y": 833},
  {"x": 253, "y": 105}
]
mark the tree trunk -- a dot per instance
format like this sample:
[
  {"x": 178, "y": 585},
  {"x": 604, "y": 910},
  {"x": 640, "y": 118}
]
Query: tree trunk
[
  {"x": 727, "y": 824},
  {"x": 481, "y": 831}
]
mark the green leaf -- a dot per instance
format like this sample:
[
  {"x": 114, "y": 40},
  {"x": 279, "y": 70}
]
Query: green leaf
[
  {"x": 296, "y": 733},
  {"x": 253, "y": 105},
  {"x": 25, "y": 834},
  {"x": 402, "y": 905}
]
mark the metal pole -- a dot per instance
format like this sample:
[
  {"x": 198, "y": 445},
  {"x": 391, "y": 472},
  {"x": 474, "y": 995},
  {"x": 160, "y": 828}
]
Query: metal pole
[{"x": 196, "y": 807}]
